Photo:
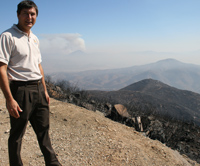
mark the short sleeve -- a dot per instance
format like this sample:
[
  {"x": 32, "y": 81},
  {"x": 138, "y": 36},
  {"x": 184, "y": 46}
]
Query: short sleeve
[{"x": 5, "y": 48}]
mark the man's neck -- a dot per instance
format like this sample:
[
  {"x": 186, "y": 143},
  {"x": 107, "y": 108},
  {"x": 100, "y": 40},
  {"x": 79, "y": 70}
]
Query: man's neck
[{"x": 23, "y": 30}]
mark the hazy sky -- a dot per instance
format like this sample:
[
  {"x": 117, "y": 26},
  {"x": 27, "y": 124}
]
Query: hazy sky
[{"x": 112, "y": 33}]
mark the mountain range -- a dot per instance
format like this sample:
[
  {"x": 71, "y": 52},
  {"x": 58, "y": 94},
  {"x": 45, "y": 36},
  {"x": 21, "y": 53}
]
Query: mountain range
[{"x": 184, "y": 76}]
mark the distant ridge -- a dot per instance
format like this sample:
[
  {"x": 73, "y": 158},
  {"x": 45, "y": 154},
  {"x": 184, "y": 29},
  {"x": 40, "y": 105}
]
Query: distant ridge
[
  {"x": 146, "y": 85},
  {"x": 169, "y": 71}
]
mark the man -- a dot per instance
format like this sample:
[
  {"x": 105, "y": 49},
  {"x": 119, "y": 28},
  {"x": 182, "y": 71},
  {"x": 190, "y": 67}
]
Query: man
[{"x": 22, "y": 82}]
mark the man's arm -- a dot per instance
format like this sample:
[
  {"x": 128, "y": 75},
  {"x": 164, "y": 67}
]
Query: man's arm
[
  {"x": 44, "y": 84},
  {"x": 11, "y": 104}
]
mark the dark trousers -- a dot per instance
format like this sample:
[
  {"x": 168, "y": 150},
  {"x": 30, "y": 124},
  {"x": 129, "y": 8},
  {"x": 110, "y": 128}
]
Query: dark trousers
[{"x": 31, "y": 99}]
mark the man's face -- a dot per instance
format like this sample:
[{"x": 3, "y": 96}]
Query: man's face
[{"x": 26, "y": 19}]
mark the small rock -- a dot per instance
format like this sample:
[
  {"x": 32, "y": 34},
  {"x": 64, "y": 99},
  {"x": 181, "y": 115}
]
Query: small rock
[{"x": 7, "y": 131}]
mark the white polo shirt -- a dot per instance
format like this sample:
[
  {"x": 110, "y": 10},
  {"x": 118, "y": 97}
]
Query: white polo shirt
[{"x": 21, "y": 53}]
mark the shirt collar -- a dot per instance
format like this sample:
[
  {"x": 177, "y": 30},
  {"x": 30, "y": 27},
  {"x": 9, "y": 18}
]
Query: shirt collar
[{"x": 16, "y": 28}]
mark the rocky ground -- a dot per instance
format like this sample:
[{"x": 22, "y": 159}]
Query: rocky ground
[{"x": 82, "y": 137}]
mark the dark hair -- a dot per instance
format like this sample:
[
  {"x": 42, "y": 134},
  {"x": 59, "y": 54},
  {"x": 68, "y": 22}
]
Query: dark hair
[{"x": 27, "y": 4}]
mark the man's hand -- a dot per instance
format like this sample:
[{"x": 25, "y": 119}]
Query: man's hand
[
  {"x": 13, "y": 108},
  {"x": 11, "y": 104},
  {"x": 47, "y": 97},
  {"x": 44, "y": 84}
]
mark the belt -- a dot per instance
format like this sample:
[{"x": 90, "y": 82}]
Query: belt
[{"x": 24, "y": 83}]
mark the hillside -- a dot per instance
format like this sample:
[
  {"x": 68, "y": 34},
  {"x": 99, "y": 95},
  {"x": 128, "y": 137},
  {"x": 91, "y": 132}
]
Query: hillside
[
  {"x": 166, "y": 100},
  {"x": 82, "y": 137},
  {"x": 170, "y": 71}
]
